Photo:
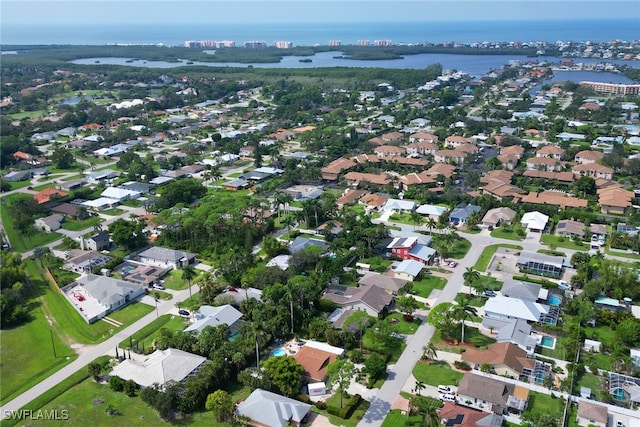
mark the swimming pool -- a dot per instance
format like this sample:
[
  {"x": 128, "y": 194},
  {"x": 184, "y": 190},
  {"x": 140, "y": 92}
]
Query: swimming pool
[
  {"x": 278, "y": 352},
  {"x": 554, "y": 300},
  {"x": 548, "y": 342}
]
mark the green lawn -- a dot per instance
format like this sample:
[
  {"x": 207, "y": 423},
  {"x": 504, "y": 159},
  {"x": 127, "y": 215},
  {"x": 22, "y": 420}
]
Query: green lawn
[
  {"x": 147, "y": 334},
  {"x": 423, "y": 287},
  {"x": 399, "y": 418},
  {"x": 608, "y": 251},
  {"x": 44, "y": 186},
  {"x": 77, "y": 225},
  {"x": 132, "y": 312},
  {"x": 400, "y": 326},
  {"x": 460, "y": 248},
  {"x": 173, "y": 280},
  {"x": 132, "y": 203},
  {"x": 436, "y": 373},
  {"x": 552, "y": 253},
  {"x": 20, "y": 243},
  {"x": 562, "y": 242},
  {"x": 377, "y": 263},
  {"x": 28, "y": 114},
  {"x": 593, "y": 382},
  {"x": 540, "y": 403},
  {"x": 19, "y": 184},
  {"x": 113, "y": 212},
  {"x": 487, "y": 254},
  {"x": 501, "y": 233},
  {"x": 336, "y": 421}
]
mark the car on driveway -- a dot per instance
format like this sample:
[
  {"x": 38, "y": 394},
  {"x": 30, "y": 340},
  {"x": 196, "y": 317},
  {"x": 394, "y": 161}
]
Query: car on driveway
[
  {"x": 183, "y": 312},
  {"x": 489, "y": 293},
  {"x": 158, "y": 286},
  {"x": 448, "y": 397}
]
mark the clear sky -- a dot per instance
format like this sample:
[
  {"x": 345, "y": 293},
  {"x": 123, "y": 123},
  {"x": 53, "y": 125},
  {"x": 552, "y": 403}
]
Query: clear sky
[{"x": 248, "y": 11}]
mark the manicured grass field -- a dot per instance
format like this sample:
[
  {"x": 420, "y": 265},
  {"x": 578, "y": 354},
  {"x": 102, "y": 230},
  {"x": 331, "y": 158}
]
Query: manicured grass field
[
  {"x": 377, "y": 263},
  {"x": 608, "y": 251},
  {"x": 423, "y": 287},
  {"x": 113, "y": 212},
  {"x": 398, "y": 418},
  {"x": 540, "y": 403},
  {"x": 552, "y": 253},
  {"x": 20, "y": 243},
  {"x": 173, "y": 280},
  {"x": 44, "y": 186},
  {"x": 147, "y": 334},
  {"x": 435, "y": 373},
  {"x": 400, "y": 326},
  {"x": 487, "y": 254},
  {"x": 501, "y": 233},
  {"x": 19, "y": 184},
  {"x": 562, "y": 242},
  {"x": 460, "y": 248},
  {"x": 77, "y": 225}
]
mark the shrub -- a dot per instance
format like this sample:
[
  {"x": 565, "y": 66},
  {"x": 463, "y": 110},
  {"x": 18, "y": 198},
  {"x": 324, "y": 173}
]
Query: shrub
[
  {"x": 326, "y": 306},
  {"x": 464, "y": 366},
  {"x": 321, "y": 405},
  {"x": 303, "y": 398},
  {"x": 116, "y": 383},
  {"x": 356, "y": 356},
  {"x": 130, "y": 388},
  {"x": 347, "y": 410}
]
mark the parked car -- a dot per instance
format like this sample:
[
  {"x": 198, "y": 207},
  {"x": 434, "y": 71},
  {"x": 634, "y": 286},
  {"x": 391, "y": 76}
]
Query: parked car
[
  {"x": 489, "y": 293},
  {"x": 158, "y": 286},
  {"x": 78, "y": 296},
  {"x": 183, "y": 312},
  {"x": 453, "y": 264},
  {"x": 445, "y": 389},
  {"x": 448, "y": 397}
]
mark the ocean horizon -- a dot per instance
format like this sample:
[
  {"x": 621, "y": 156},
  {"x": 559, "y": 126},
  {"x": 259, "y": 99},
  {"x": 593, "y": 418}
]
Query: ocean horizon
[{"x": 309, "y": 34}]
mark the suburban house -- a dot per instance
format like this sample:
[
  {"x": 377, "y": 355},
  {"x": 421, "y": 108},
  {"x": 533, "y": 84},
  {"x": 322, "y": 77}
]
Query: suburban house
[
  {"x": 570, "y": 228},
  {"x": 551, "y": 151},
  {"x": 265, "y": 408},
  {"x": 408, "y": 269},
  {"x": 332, "y": 171},
  {"x": 49, "y": 194},
  {"x": 389, "y": 151},
  {"x": 534, "y": 221},
  {"x": 215, "y": 316},
  {"x": 390, "y": 284},
  {"x": 397, "y": 205},
  {"x": 495, "y": 217},
  {"x": 97, "y": 242},
  {"x": 422, "y": 148},
  {"x": 548, "y": 164},
  {"x": 300, "y": 243},
  {"x": 502, "y": 191},
  {"x": 554, "y": 198},
  {"x": 120, "y": 194},
  {"x": 373, "y": 202},
  {"x": 164, "y": 257},
  {"x": 161, "y": 366},
  {"x": 592, "y": 414},
  {"x": 501, "y": 307},
  {"x": 523, "y": 290},
  {"x": 492, "y": 395},
  {"x": 315, "y": 357},
  {"x": 505, "y": 359},
  {"x": 431, "y": 211},
  {"x": 541, "y": 264},
  {"x": 371, "y": 299},
  {"x": 68, "y": 210},
  {"x": 409, "y": 248},
  {"x": 453, "y": 415},
  {"x": 49, "y": 223},
  {"x": 615, "y": 199},
  {"x": 588, "y": 156},
  {"x": 514, "y": 331},
  {"x": 594, "y": 170},
  {"x": 80, "y": 261},
  {"x": 461, "y": 213},
  {"x": 96, "y": 296}
]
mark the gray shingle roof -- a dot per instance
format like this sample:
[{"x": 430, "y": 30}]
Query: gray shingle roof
[{"x": 271, "y": 409}]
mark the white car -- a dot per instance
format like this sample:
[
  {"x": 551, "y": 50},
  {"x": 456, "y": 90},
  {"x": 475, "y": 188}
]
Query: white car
[
  {"x": 444, "y": 389},
  {"x": 448, "y": 397}
]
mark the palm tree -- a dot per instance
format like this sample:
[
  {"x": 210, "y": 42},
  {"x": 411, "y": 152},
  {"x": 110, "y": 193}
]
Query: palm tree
[
  {"x": 256, "y": 331},
  {"x": 188, "y": 274},
  {"x": 430, "y": 351},
  {"x": 291, "y": 291},
  {"x": 431, "y": 223},
  {"x": 416, "y": 219},
  {"x": 463, "y": 311},
  {"x": 470, "y": 276},
  {"x": 419, "y": 387}
]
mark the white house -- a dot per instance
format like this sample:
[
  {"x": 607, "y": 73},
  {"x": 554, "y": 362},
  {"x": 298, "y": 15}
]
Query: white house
[
  {"x": 500, "y": 307},
  {"x": 534, "y": 221}
]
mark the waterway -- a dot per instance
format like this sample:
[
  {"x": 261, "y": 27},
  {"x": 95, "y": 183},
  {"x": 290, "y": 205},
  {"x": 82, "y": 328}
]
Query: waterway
[{"x": 475, "y": 65}]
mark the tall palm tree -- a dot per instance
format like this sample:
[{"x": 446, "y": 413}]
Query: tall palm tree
[
  {"x": 430, "y": 351},
  {"x": 291, "y": 292},
  {"x": 256, "y": 331},
  {"x": 431, "y": 223},
  {"x": 470, "y": 276},
  {"x": 463, "y": 311},
  {"x": 419, "y": 387},
  {"x": 188, "y": 274}
]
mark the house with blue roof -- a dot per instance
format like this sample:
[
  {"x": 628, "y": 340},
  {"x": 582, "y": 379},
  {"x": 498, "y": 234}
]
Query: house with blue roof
[{"x": 462, "y": 212}]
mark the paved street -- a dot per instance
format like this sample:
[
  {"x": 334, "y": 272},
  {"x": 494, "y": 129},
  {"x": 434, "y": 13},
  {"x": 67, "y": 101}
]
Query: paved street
[{"x": 107, "y": 347}]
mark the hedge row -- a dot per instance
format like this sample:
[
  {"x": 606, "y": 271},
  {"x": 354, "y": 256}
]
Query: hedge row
[
  {"x": 545, "y": 283},
  {"x": 346, "y": 411}
]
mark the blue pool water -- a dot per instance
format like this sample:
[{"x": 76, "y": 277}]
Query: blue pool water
[
  {"x": 278, "y": 352},
  {"x": 539, "y": 378},
  {"x": 548, "y": 342},
  {"x": 554, "y": 300}
]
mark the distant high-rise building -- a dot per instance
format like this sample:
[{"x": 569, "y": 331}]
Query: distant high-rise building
[
  {"x": 226, "y": 43},
  {"x": 335, "y": 43},
  {"x": 383, "y": 43},
  {"x": 363, "y": 42},
  {"x": 255, "y": 44},
  {"x": 612, "y": 88},
  {"x": 283, "y": 44}
]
